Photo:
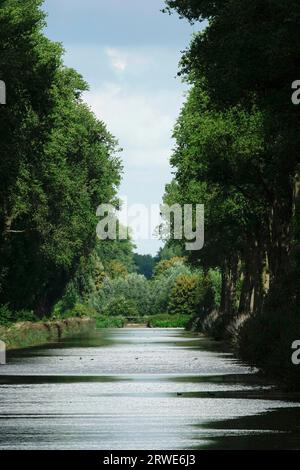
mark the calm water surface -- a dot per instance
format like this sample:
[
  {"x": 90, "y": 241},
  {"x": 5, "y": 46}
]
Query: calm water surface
[{"x": 140, "y": 389}]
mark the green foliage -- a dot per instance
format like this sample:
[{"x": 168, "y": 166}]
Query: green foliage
[
  {"x": 169, "y": 251},
  {"x": 58, "y": 163},
  {"x": 191, "y": 295},
  {"x": 176, "y": 288},
  {"x": 6, "y": 316},
  {"x": 81, "y": 310},
  {"x": 165, "y": 264},
  {"x": 120, "y": 306},
  {"x": 116, "y": 251},
  {"x": 168, "y": 321},
  {"x": 116, "y": 269},
  {"x": 25, "y": 316},
  {"x": 103, "y": 321},
  {"x": 180, "y": 289},
  {"x": 184, "y": 295},
  {"x": 131, "y": 293},
  {"x": 109, "y": 259},
  {"x": 144, "y": 265},
  {"x": 232, "y": 140},
  {"x": 163, "y": 283},
  {"x": 216, "y": 284}
]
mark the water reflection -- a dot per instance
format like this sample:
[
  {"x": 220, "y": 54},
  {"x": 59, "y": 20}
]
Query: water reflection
[{"x": 140, "y": 389}]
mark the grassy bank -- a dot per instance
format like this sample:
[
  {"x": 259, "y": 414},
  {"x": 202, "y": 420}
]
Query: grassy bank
[
  {"x": 104, "y": 321},
  {"x": 168, "y": 321},
  {"x": 26, "y": 334},
  {"x": 152, "y": 321}
]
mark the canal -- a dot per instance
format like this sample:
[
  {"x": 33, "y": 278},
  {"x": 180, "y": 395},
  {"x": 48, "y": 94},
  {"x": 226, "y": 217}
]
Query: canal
[{"x": 139, "y": 388}]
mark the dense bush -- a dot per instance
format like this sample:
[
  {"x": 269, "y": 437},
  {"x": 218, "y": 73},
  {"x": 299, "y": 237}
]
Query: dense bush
[
  {"x": 131, "y": 292},
  {"x": 168, "y": 321},
  {"x": 181, "y": 289},
  {"x": 162, "y": 285},
  {"x": 103, "y": 321},
  {"x": 176, "y": 288},
  {"x": 78, "y": 310},
  {"x": 7, "y": 317},
  {"x": 120, "y": 306},
  {"x": 165, "y": 264},
  {"x": 185, "y": 294}
]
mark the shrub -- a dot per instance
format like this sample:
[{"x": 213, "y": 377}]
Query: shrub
[
  {"x": 161, "y": 287},
  {"x": 103, "y": 321},
  {"x": 26, "y": 315},
  {"x": 6, "y": 315},
  {"x": 166, "y": 264},
  {"x": 184, "y": 295},
  {"x": 79, "y": 310},
  {"x": 135, "y": 289},
  {"x": 120, "y": 306},
  {"x": 116, "y": 269},
  {"x": 168, "y": 321}
]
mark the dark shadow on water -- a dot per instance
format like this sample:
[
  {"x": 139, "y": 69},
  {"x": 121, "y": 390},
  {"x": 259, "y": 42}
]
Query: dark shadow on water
[
  {"x": 273, "y": 430},
  {"x": 91, "y": 340}
]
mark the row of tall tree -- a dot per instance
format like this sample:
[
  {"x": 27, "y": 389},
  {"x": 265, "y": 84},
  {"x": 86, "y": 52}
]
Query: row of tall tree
[
  {"x": 58, "y": 163},
  {"x": 238, "y": 149}
]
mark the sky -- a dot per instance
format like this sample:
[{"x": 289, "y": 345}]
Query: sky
[{"x": 128, "y": 52}]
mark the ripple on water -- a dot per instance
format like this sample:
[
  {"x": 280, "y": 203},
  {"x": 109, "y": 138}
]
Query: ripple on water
[{"x": 139, "y": 389}]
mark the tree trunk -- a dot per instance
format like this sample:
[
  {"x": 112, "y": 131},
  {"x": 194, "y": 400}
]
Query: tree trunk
[
  {"x": 229, "y": 286},
  {"x": 253, "y": 289}
]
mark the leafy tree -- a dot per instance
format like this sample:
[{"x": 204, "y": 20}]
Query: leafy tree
[
  {"x": 109, "y": 259},
  {"x": 144, "y": 264},
  {"x": 169, "y": 250},
  {"x": 58, "y": 163},
  {"x": 165, "y": 264},
  {"x": 249, "y": 56},
  {"x": 121, "y": 307},
  {"x": 185, "y": 295},
  {"x": 133, "y": 288},
  {"x": 120, "y": 251},
  {"x": 237, "y": 152},
  {"x": 215, "y": 165}
]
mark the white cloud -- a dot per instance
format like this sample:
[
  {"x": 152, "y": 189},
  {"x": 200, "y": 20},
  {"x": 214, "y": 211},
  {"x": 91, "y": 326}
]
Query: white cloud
[
  {"x": 141, "y": 120},
  {"x": 139, "y": 100},
  {"x": 117, "y": 59},
  {"x": 135, "y": 60}
]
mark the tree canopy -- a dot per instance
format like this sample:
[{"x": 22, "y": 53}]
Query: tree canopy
[
  {"x": 58, "y": 163},
  {"x": 237, "y": 151}
]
